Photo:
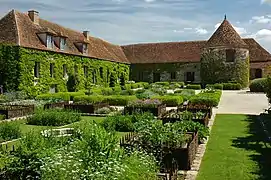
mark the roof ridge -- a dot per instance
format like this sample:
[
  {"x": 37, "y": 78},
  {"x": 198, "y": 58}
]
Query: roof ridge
[
  {"x": 16, "y": 27},
  {"x": 167, "y": 42}
]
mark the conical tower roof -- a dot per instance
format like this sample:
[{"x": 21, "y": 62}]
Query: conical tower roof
[{"x": 226, "y": 36}]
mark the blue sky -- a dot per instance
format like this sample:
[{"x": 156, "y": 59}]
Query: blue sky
[{"x": 138, "y": 21}]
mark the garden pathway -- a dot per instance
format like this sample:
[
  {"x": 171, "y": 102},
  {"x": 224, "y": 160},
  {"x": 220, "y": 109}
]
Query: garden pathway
[{"x": 242, "y": 102}]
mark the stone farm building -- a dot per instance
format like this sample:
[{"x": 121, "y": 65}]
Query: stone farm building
[{"x": 38, "y": 56}]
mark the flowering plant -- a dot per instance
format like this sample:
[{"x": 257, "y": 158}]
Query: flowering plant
[{"x": 150, "y": 103}]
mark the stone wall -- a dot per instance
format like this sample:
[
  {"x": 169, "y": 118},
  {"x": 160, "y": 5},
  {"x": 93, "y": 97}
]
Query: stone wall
[
  {"x": 145, "y": 72},
  {"x": 215, "y": 69}
]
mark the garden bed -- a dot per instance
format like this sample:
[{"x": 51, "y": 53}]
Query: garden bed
[
  {"x": 196, "y": 108},
  {"x": 85, "y": 108},
  {"x": 196, "y": 116},
  {"x": 55, "y": 105},
  {"x": 13, "y": 111},
  {"x": 159, "y": 110},
  {"x": 183, "y": 155}
]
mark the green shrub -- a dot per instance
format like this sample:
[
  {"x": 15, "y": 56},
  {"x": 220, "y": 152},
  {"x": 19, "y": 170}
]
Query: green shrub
[
  {"x": 124, "y": 123},
  {"x": 9, "y": 131},
  {"x": 127, "y": 86},
  {"x": 53, "y": 117},
  {"x": 214, "y": 86},
  {"x": 127, "y": 92},
  {"x": 119, "y": 100},
  {"x": 169, "y": 100},
  {"x": 258, "y": 85},
  {"x": 185, "y": 93},
  {"x": 231, "y": 86},
  {"x": 162, "y": 83},
  {"x": 208, "y": 97},
  {"x": 2, "y": 117},
  {"x": 117, "y": 90},
  {"x": 193, "y": 86},
  {"x": 107, "y": 91},
  {"x": 64, "y": 96},
  {"x": 146, "y": 95},
  {"x": 92, "y": 99}
]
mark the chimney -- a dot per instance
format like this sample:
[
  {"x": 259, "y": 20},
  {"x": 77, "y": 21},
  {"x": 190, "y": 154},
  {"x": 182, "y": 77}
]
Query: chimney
[
  {"x": 34, "y": 16},
  {"x": 86, "y": 34}
]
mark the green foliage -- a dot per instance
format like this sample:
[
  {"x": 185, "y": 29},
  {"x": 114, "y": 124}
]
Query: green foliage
[
  {"x": 107, "y": 91},
  {"x": 208, "y": 97},
  {"x": 193, "y": 86},
  {"x": 215, "y": 86},
  {"x": 9, "y": 131},
  {"x": 114, "y": 100},
  {"x": 53, "y": 117},
  {"x": 258, "y": 85},
  {"x": 231, "y": 86},
  {"x": 73, "y": 82},
  {"x": 268, "y": 89},
  {"x": 64, "y": 96},
  {"x": 185, "y": 93},
  {"x": 146, "y": 94},
  {"x": 170, "y": 100},
  {"x": 162, "y": 83},
  {"x": 214, "y": 69}
]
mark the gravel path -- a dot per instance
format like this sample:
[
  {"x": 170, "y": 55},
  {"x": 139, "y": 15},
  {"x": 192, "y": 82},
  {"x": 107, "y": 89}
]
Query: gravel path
[{"x": 242, "y": 102}]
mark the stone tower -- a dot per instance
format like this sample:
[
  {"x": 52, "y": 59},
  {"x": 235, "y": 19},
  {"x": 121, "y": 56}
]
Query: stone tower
[{"x": 225, "y": 57}]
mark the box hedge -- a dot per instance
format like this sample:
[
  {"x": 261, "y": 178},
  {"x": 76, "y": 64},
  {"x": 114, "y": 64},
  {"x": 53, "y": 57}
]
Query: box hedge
[
  {"x": 215, "y": 86},
  {"x": 65, "y": 96},
  {"x": 207, "y": 97},
  {"x": 114, "y": 100},
  {"x": 231, "y": 86},
  {"x": 169, "y": 100},
  {"x": 258, "y": 85},
  {"x": 193, "y": 86}
]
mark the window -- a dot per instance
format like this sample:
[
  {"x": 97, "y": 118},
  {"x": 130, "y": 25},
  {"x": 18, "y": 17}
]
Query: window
[
  {"x": 230, "y": 55},
  {"x": 173, "y": 75},
  {"x": 101, "y": 73},
  {"x": 49, "y": 41},
  {"x": 37, "y": 70},
  {"x": 94, "y": 77},
  {"x": 156, "y": 77},
  {"x": 85, "y": 49},
  {"x": 190, "y": 76},
  {"x": 86, "y": 71},
  {"x": 62, "y": 44},
  {"x": 140, "y": 76},
  {"x": 64, "y": 70},
  {"x": 52, "y": 66}
]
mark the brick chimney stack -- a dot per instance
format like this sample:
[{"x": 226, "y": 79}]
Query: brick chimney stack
[
  {"x": 34, "y": 16},
  {"x": 86, "y": 34}
]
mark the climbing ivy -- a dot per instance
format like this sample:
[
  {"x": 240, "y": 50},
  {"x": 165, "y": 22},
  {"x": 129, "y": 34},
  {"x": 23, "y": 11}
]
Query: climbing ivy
[
  {"x": 17, "y": 70},
  {"x": 214, "y": 69}
]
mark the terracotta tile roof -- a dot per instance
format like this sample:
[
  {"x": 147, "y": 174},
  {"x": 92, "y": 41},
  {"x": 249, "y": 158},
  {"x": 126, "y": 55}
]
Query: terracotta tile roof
[
  {"x": 256, "y": 52},
  {"x": 25, "y": 35},
  {"x": 8, "y": 29},
  {"x": 164, "y": 52},
  {"x": 225, "y": 36}
]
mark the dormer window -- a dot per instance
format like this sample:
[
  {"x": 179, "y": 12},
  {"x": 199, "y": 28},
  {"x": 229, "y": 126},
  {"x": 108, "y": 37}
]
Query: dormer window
[
  {"x": 84, "y": 48},
  {"x": 49, "y": 41},
  {"x": 62, "y": 43}
]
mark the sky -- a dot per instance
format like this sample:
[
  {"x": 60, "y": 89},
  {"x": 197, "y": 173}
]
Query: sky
[{"x": 142, "y": 21}]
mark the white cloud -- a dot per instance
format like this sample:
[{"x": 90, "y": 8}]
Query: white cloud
[
  {"x": 261, "y": 19},
  {"x": 149, "y": 1},
  {"x": 201, "y": 31},
  {"x": 263, "y": 32},
  {"x": 239, "y": 30}
]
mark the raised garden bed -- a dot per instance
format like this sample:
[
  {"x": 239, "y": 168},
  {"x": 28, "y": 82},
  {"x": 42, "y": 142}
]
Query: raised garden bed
[
  {"x": 55, "y": 105},
  {"x": 196, "y": 108},
  {"x": 13, "y": 111},
  {"x": 180, "y": 157},
  {"x": 85, "y": 108},
  {"x": 159, "y": 110},
  {"x": 175, "y": 116}
]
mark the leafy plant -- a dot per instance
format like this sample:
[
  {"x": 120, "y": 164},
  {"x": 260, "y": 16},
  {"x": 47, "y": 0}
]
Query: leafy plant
[
  {"x": 193, "y": 86},
  {"x": 170, "y": 100},
  {"x": 258, "y": 85},
  {"x": 9, "y": 131},
  {"x": 53, "y": 117},
  {"x": 144, "y": 103}
]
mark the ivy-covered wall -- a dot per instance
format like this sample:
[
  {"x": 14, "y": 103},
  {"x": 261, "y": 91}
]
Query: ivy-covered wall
[
  {"x": 21, "y": 63},
  {"x": 215, "y": 69}
]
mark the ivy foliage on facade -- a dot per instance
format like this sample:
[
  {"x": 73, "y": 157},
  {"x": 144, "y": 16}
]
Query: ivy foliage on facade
[
  {"x": 18, "y": 64},
  {"x": 215, "y": 69}
]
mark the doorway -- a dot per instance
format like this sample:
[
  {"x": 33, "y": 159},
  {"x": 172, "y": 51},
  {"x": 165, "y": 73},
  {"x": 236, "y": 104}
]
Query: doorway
[
  {"x": 190, "y": 76},
  {"x": 156, "y": 77},
  {"x": 258, "y": 73}
]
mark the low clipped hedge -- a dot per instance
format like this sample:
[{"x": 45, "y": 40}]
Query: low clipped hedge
[
  {"x": 232, "y": 86},
  {"x": 208, "y": 97},
  {"x": 193, "y": 86},
  {"x": 170, "y": 100},
  {"x": 215, "y": 86},
  {"x": 162, "y": 83},
  {"x": 258, "y": 85},
  {"x": 65, "y": 96},
  {"x": 114, "y": 100}
]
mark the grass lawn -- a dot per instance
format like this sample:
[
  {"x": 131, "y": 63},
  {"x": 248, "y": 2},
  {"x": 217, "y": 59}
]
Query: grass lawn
[{"x": 236, "y": 150}]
